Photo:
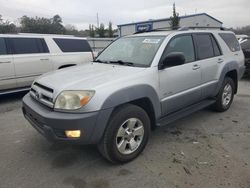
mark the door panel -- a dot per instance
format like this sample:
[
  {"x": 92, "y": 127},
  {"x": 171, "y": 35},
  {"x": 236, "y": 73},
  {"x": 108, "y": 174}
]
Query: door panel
[
  {"x": 211, "y": 61},
  {"x": 180, "y": 86},
  {"x": 31, "y": 59},
  {"x": 210, "y": 69},
  {"x": 30, "y": 66},
  {"x": 7, "y": 73}
]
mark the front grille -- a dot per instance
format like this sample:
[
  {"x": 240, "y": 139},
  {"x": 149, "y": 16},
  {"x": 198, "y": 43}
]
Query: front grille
[
  {"x": 44, "y": 87},
  {"x": 43, "y": 94}
]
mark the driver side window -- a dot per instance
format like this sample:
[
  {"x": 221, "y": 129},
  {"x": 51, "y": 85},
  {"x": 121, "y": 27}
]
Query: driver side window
[{"x": 183, "y": 44}]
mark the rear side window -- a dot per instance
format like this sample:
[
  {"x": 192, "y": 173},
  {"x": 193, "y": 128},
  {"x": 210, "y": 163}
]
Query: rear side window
[
  {"x": 3, "y": 49},
  {"x": 73, "y": 45},
  {"x": 182, "y": 44},
  {"x": 231, "y": 41},
  {"x": 217, "y": 51},
  {"x": 204, "y": 46},
  {"x": 28, "y": 45}
]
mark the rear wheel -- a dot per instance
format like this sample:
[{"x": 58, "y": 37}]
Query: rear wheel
[
  {"x": 126, "y": 135},
  {"x": 225, "y": 96}
]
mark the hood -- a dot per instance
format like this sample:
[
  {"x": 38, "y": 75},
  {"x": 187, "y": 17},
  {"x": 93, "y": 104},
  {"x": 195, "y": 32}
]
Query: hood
[{"x": 87, "y": 77}]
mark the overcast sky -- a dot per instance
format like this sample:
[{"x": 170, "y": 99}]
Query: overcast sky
[{"x": 232, "y": 13}]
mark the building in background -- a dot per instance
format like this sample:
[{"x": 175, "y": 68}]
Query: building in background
[{"x": 194, "y": 20}]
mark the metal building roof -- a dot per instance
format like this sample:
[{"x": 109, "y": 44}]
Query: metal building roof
[{"x": 167, "y": 19}]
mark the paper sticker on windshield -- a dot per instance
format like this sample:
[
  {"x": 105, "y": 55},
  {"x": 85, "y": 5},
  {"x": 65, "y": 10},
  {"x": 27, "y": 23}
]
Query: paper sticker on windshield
[{"x": 151, "y": 41}]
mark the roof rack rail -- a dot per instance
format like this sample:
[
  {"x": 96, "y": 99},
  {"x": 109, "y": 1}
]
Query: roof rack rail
[
  {"x": 181, "y": 29},
  {"x": 154, "y": 30}
]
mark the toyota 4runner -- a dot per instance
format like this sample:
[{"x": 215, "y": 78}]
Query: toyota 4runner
[{"x": 137, "y": 83}]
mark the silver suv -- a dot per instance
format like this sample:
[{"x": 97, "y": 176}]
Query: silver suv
[{"x": 137, "y": 83}]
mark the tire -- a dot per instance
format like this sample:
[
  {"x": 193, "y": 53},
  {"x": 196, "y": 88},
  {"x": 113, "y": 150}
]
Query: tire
[
  {"x": 221, "y": 105},
  {"x": 131, "y": 145}
]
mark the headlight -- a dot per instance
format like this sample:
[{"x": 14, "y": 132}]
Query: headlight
[{"x": 73, "y": 100}]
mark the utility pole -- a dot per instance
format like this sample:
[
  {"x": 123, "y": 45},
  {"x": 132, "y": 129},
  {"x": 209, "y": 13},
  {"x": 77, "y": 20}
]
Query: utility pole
[{"x": 97, "y": 16}]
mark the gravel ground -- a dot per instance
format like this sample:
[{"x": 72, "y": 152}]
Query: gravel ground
[{"x": 206, "y": 149}]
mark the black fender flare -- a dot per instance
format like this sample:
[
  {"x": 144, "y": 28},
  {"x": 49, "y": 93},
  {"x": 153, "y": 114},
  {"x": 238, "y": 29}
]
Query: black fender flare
[
  {"x": 231, "y": 66},
  {"x": 133, "y": 93}
]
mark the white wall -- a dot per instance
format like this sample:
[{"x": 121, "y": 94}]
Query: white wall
[
  {"x": 199, "y": 21},
  {"x": 194, "y": 21},
  {"x": 127, "y": 30},
  {"x": 98, "y": 44}
]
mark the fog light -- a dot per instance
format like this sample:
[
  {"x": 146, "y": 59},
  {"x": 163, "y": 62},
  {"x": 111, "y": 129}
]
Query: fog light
[{"x": 73, "y": 134}]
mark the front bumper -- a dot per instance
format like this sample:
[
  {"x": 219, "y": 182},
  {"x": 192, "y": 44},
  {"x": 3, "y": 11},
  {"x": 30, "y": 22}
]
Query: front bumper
[{"x": 53, "y": 124}]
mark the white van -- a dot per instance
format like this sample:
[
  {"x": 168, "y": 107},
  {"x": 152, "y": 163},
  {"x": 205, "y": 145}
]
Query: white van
[{"x": 23, "y": 57}]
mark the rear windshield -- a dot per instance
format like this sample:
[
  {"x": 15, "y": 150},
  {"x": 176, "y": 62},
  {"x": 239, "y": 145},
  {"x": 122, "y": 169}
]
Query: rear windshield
[
  {"x": 73, "y": 45},
  {"x": 231, "y": 41}
]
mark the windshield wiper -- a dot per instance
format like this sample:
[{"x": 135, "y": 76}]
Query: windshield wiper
[
  {"x": 120, "y": 62},
  {"x": 100, "y": 61}
]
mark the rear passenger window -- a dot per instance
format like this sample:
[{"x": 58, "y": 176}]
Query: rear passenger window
[
  {"x": 3, "y": 50},
  {"x": 28, "y": 45},
  {"x": 217, "y": 51},
  {"x": 182, "y": 44},
  {"x": 204, "y": 46},
  {"x": 231, "y": 41},
  {"x": 73, "y": 45}
]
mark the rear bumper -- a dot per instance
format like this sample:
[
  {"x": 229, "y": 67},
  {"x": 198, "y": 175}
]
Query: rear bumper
[{"x": 52, "y": 125}]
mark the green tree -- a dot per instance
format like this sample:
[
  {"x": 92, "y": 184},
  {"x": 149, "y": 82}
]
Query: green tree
[
  {"x": 42, "y": 25},
  {"x": 110, "y": 30},
  {"x": 7, "y": 27},
  {"x": 57, "y": 25},
  {"x": 91, "y": 30},
  {"x": 245, "y": 30},
  {"x": 175, "y": 19},
  {"x": 101, "y": 30}
]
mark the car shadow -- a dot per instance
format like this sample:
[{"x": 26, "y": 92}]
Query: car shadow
[
  {"x": 246, "y": 77},
  {"x": 12, "y": 97}
]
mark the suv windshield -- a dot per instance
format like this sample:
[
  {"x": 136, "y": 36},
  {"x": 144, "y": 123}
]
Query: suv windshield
[{"x": 132, "y": 51}]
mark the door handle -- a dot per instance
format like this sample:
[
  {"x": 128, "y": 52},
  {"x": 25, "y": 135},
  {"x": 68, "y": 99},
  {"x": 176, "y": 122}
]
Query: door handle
[
  {"x": 220, "y": 60},
  {"x": 2, "y": 62},
  {"x": 45, "y": 59},
  {"x": 195, "y": 67},
  {"x": 236, "y": 54}
]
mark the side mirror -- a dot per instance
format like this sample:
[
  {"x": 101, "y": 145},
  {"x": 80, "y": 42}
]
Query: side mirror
[{"x": 172, "y": 59}]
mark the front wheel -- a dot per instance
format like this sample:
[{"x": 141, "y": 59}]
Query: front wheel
[
  {"x": 225, "y": 96},
  {"x": 126, "y": 135}
]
